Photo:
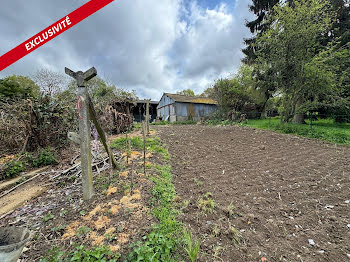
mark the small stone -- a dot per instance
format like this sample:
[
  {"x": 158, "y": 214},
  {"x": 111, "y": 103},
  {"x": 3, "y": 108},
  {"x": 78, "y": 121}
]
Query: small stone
[
  {"x": 348, "y": 225},
  {"x": 347, "y": 201},
  {"x": 311, "y": 242},
  {"x": 321, "y": 251}
]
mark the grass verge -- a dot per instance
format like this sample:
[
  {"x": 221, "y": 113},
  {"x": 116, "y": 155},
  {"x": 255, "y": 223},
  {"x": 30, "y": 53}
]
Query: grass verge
[
  {"x": 324, "y": 129},
  {"x": 162, "y": 242}
]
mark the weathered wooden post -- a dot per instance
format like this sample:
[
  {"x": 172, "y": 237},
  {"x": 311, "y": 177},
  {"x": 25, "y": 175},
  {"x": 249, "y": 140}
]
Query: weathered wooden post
[
  {"x": 84, "y": 129},
  {"x": 147, "y": 115}
]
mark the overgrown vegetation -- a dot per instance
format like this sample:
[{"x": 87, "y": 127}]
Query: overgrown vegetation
[
  {"x": 42, "y": 157},
  {"x": 13, "y": 169},
  {"x": 81, "y": 253},
  {"x": 46, "y": 157},
  {"x": 39, "y": 114}
]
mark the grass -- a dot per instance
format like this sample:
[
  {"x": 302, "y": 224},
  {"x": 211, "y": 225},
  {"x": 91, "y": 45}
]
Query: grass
[
  {"x": 153, "y": 144},
  {"x": 324, "y": 129},
  {"x": 161, "y": 243},
  {"x": 191, "y": 246}
]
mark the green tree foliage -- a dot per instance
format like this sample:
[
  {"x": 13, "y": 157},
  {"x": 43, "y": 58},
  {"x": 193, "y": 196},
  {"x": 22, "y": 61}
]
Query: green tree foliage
[
  {"x": 208, "y": 92},
  {"x": 186, "y": 92},
  {"x": 287, "y": 49},
  {"x": 260, "y": 8},
  {"x": 18, "y": 86},
  {"x": 238, "y": 94},
  {"x": 335, "y": 61}
]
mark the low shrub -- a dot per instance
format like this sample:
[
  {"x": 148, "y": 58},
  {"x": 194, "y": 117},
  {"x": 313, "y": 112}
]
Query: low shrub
[
  {"x": 13, "y": 169},
  {"x": 46, "y": 157}
]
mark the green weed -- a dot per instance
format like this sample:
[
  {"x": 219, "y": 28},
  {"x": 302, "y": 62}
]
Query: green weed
[
  {"x": 13, "y": 169},
  {"x": 191, "y": 246},
  {"x": 81, "y": 253},
  {"x": 206, "y": 204},
  {"x": 48, "y": 216},
  {"x": 197, "y": 182},
  {"x": 46, "y": 157},
  {"x": 235, "y": 234},
  {"x": 231, "y": 210}
]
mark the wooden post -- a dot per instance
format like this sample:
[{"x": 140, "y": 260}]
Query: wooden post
[
  {"x": 144, "y": 146},
  {"x": 84, "y": 129},
  {"x": 147, "y": 115}
]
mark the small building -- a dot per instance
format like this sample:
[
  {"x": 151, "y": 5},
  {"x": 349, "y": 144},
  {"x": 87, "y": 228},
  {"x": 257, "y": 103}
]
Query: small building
[
  {"x": 173, "y": 107},
  {"x": 139, "y": 110}
]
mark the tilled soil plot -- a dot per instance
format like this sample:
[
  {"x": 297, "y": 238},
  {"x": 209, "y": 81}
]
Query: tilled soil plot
[{"x": 277, "y": 197}]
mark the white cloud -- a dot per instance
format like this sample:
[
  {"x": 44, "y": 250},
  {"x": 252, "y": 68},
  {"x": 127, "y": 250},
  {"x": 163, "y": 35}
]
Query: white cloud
[{"x": 148, "y": 45}]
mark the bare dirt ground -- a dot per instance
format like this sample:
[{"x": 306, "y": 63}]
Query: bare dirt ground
[{"x": 289, "y": 195}]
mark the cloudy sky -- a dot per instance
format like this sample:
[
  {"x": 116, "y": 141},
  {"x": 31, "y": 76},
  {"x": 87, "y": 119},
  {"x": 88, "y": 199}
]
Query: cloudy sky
[{"x": 150, "y": 46}]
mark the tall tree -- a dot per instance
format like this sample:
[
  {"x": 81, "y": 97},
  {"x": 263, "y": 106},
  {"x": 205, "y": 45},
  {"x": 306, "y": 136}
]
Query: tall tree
[
  {"x": 260, "y": 8},
  {"x": 50, "y": 82},
  {"x": 289, "y": 45}
]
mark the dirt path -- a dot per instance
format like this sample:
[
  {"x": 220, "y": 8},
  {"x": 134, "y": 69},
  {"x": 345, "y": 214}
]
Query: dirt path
[{"x": 289, "y": 196}]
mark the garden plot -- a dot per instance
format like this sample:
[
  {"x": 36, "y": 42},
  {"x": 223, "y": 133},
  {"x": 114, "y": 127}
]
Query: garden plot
[{"x": 256, "y": 195}]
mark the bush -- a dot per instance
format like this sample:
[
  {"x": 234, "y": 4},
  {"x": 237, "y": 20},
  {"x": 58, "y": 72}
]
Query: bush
[
  {"x": 45, "y": 158},
  {"x": 13, "y": 169}
]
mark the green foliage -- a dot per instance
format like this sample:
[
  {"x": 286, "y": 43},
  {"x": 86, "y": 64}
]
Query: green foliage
[
  {"x": 186, "y": 92},
  {"x": 161, "y": 243},
  {"x": 238, "y": 94},
  {"x": 191, "y": 246},
  {"x": 18, "y": 86},
  {"x": 208, "y": 92},
  {"x": 324, "y": 129},
  {"x": 46, "y": 157},
  {"x": 153, "y": 144},
  {"x": 83, "y": 230},
  {"x": 49, "y": 216},
  {"x": 13, "y": 169},
  {"x": 122, "y": 143},
  {"x": 82, "y": 254},
  {"x": 286, "y": 50}
]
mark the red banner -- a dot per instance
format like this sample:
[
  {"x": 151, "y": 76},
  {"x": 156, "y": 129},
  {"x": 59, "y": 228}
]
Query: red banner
[{"x": 51, "y": 32}]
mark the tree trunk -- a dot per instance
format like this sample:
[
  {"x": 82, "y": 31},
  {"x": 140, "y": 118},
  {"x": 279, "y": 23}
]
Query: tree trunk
[{"x": 298, "y": 118}]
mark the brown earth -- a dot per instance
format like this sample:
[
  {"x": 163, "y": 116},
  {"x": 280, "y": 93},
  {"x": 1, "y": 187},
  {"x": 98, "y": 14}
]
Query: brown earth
[
  {"x": 289, "y": 195},
  {"x": 118, "y": 215}
]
